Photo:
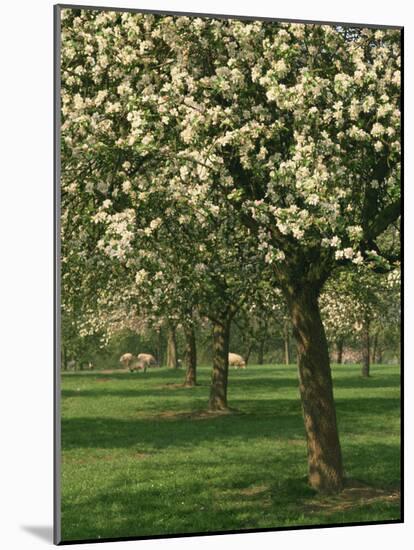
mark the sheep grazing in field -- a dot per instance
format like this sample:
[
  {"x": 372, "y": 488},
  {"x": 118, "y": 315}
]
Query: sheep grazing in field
[
  {"x": 148, "y": 359},
  {"x": 236, "y": 361},
  {"x": 138, "y": 364},
  {"x": 126, "y": 359}
]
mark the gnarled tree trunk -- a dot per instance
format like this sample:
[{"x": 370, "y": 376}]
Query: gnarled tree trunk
[
  {"x": 316, "y": 390},
  {"x": 171, "y": 347},
  {"x": 191, "y": 356},
  {"x": 218, "y": 389}
]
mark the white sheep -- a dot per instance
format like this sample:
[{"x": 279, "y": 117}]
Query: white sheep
[
  {"x": 147, "y": 359},
  {"x": 126, "y": 359},
  {"x": 236, "y": 361},
  {"x": 138, "y": 364}
]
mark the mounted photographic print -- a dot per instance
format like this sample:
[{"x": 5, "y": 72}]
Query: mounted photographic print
[{"x": 228, "y": 204}]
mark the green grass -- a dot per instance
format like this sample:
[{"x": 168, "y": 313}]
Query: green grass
[{"x": 138, "y": 459}]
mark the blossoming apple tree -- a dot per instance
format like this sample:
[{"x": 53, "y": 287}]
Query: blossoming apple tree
[
  {"x": 359, "y": 302},
  {"x": 289, "y": 130}
]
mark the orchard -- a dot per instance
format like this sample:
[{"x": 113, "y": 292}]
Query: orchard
[{"x": 232, "y": 186}]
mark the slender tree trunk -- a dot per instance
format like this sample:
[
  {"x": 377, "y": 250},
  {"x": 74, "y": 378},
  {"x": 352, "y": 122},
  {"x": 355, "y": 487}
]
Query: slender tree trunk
[
  {"x": 262, "y": 341},
  {"x": 379, "y": 356},
  {"x": 171, "y": 347},
  {"x": 160, "y": 346},
  {"x": 191, "y": 356},
  {"x": 316, "y": 390},
  {"x": 218, "y": 389},
  {"x": 249, "y": 350},
  {"x": 365, "y": 349},
  {"x": 286, "y": 339},
  {"x": 260, "y": 353},
  {"x": 374, "y": 348},
  {"x": 339, "y": 350}
]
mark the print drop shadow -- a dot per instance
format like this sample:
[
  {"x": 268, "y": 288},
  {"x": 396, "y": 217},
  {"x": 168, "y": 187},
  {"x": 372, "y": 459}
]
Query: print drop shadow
[{"x": 43, "y": 532}]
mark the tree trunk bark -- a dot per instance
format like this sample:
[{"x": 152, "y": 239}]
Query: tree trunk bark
[
  {"x": 379, "y": 356},
  {"x": 249, "y": 350},
  {"x": 160, "y": 346},
  {"x": 286, "y": 340},
  {"x": 339, "y": 350},
  {"x": 260, "y": 353},
  {"x": 218, "y": 389},
  {"x": 171, "y": 348},
  {"x": 316, "y": 391},
  {"x": 191, "y": 356},
  {"x": 365, "y": 349},
  {"x": 374, "y": 348}
]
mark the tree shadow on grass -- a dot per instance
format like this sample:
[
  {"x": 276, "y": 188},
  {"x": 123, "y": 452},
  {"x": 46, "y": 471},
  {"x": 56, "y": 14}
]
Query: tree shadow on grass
[
  {"x": 187, "y": 505},
  {"x": 376, "y": 381},
  {"x": 277, "y": 418},
  {"x": 168, "y": 390},
  {"x": 264, "y": 384},
  {"x": 235, "y": 487},
  {"x": 124, "y": 393},
  {"x": 216, "y": 497},
  {"x": 383, "y": 471},
  {"x": 366, "y": 408},
  {"x": 122, "y": 374}
]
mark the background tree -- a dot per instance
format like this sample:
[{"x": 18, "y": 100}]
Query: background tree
[{"x": 360, "y": 301}]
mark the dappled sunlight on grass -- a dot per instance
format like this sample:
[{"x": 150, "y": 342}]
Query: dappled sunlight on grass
[{"x": 141, "y": 456}]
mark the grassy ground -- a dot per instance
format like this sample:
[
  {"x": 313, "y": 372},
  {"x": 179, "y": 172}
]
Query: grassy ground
[{"x": 141, "y": 458}]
